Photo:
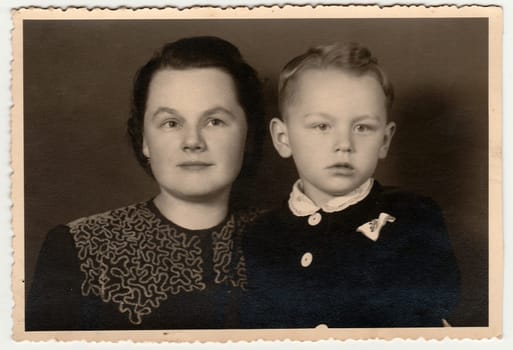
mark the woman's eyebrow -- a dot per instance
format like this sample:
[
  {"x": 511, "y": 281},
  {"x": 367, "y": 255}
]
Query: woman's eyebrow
[
  {"x": 166, "y": 110},
  {"x": 219, "y": 109}
]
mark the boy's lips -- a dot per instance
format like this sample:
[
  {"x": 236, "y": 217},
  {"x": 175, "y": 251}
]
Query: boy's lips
[
  {"x": 341, "y": 168},
  {"x": 341, "y": 165}
]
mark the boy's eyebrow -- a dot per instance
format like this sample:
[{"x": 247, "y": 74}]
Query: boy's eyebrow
[
  {"x": 317, "y": 114},
  {"x": 368, "y": 116},
  {"x": 329, "y": 116}
]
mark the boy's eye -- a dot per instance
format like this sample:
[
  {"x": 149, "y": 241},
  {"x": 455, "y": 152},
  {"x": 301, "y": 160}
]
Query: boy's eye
[
  {"x": 321, "y": 126},
  {"x": 360, "y": 128},
  {"x": 216, "y": 122}
]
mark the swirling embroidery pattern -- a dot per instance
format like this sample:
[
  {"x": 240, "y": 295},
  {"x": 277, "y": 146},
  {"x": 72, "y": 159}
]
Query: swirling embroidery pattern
[
  {"x": 133, "y": 259},
  {"x": 224, "y": 242}
]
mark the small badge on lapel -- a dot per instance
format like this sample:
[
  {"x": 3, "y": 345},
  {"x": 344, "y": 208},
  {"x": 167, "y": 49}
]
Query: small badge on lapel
[{"x": 372, "y": 228}]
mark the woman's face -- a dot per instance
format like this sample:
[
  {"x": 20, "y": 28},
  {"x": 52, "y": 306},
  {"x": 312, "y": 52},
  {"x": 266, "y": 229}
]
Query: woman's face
[{"x": 194, "y": 132}]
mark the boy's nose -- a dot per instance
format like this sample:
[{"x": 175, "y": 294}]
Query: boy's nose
[
  {"x": 344, "y": 141},
  {"x": 193, "y": 141}
]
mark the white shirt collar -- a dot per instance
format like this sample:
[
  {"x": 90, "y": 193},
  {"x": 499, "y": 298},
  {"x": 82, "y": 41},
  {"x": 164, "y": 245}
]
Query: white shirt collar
[{"x": 301, "y": 205}]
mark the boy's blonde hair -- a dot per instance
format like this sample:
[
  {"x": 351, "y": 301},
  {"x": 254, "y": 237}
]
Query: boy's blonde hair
[{"x": 352, "y": 58}]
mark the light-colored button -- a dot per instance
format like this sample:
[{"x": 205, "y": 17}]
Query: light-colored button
[
  {"x": 314, "y": 219},
  {"x": 322, "y": 326},
  {"x": 306, "y": 259}
]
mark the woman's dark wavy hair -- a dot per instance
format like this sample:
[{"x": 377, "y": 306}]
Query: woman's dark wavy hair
[{"x": 202, "y": 52}]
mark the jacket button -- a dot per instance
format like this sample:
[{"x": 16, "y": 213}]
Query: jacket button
[
  {"x": 314, "y": 219},
  {"x": 306, "y": 259}
]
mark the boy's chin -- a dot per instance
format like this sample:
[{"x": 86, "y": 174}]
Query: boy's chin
[
  {"x": 323, "y": 195},
  {"x": 340, "y": 191},
  {"x": 323, "y": 191}
]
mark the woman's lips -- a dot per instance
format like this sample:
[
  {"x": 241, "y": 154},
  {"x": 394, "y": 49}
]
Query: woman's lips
[{"x": 194, "y": 166}]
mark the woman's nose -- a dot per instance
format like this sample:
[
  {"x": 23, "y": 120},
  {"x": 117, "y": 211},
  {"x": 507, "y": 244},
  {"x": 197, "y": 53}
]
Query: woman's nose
[{"x": 193, "y": 140}]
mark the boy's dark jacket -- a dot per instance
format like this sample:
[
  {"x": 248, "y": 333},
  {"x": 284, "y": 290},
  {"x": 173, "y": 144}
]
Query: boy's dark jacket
[{"x": 408, "y": 277}]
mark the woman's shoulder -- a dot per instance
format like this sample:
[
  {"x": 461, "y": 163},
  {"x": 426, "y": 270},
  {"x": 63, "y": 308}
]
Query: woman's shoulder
[
  {"x": 122, "y": 217},
  {"x": 272, "y": 224},
  {"x": 246, "y": 216},
  {"x": 128, "y": 211}
]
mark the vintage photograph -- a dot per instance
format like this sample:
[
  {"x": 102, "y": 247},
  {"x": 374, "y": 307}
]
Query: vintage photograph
[{"x": 296, "y": 172}]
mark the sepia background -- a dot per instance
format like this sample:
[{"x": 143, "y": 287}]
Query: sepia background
[{"x": 77, "y": 82}]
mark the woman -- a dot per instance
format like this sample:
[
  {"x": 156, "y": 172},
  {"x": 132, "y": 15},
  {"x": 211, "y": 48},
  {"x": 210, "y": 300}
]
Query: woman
[{"x": 172, "y": 262}]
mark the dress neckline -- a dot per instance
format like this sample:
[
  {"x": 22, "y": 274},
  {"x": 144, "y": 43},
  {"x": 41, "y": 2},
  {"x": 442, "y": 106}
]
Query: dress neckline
[{"x": 156, "y": 211}]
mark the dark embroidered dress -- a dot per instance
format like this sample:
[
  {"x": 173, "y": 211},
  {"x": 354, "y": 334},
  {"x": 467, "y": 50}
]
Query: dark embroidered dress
[{"x": 131, "y": 268}]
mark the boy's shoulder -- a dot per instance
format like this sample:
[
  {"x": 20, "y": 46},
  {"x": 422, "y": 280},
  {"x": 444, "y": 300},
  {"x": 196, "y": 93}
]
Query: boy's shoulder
[
  {"x": 409, "y": 208},
  {"x": 392, "y": 197},
  {"x": 406, "y": 201}
]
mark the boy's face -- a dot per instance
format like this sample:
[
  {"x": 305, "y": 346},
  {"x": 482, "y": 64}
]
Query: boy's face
[
  {"x": 335, "y": 129},
  {"x": 194, "y": 132}
]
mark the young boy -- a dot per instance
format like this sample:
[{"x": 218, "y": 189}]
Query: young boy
[{"x": 344, "y": 251}]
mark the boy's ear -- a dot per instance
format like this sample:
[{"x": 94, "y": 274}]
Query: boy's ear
[
  {"x": 389, "y": 133},
  {"x": 145, "y": 148},
  {"x": 280, "y": 137}
]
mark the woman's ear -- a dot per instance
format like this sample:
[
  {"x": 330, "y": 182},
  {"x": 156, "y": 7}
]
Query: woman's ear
[
  {"x": 387, "y": 139},
  {"x": 145, "y": 148},
  {"x": 280, "y": 137}
]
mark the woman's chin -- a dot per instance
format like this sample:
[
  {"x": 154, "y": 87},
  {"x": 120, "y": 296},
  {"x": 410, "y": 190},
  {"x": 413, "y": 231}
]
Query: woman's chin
[{"x": 198, "y": 195}]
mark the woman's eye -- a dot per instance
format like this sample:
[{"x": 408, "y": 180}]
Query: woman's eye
[
  {"x": 171, "y": 124},
  {"x": 216, "y": 122}
]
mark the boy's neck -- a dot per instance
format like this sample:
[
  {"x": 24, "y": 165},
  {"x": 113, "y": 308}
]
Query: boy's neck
[
  {"x": 193, "y": 215},
  {"x": 321, "y": 199}
]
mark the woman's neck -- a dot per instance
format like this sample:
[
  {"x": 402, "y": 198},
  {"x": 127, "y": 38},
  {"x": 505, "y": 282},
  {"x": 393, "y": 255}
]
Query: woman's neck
[{"x": 193, "y": 215}]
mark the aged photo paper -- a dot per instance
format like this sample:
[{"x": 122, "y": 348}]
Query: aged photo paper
[{"x": 72, "y": 74}]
